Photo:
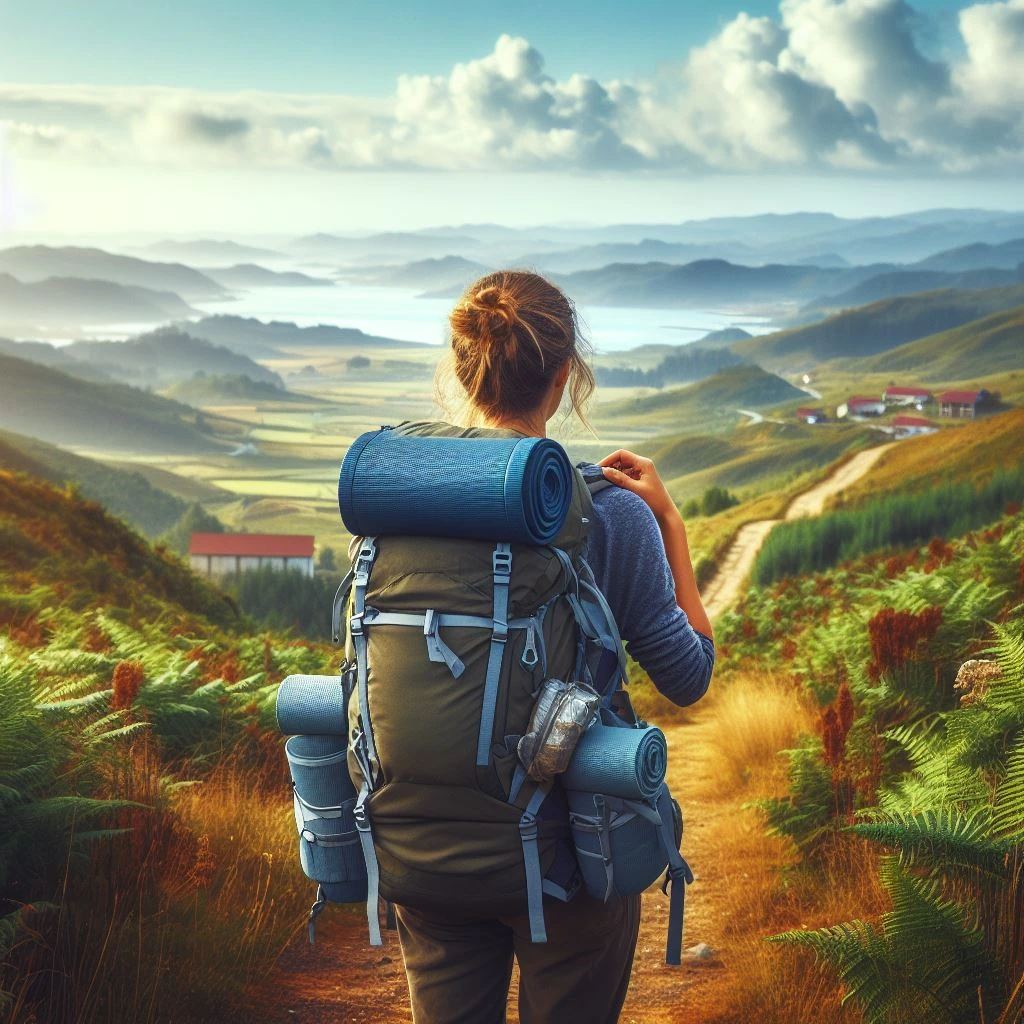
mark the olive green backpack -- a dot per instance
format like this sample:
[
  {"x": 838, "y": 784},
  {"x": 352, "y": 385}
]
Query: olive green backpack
[{"x": 451, "y": 641}]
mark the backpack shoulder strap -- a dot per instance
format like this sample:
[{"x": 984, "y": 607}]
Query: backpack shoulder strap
[{"x": 593, "y": 477}]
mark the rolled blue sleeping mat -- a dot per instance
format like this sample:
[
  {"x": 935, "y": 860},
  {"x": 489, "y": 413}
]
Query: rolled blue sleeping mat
[
  {"x": 622, "y": 762},
  {"x": 481, "y": 488},
  {"x": 312, "y": 705}
]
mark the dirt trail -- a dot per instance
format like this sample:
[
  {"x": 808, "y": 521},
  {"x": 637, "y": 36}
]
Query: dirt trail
[
  {"x": 344, "y": 979},
  {"x": 726, "y": 584}
]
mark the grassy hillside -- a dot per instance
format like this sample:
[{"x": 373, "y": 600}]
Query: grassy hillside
[
  {"x": 993, "y": 344},
  {"x": 717, "y": 398},
  {"x": 54, "y": 407},
  {"x": 973, "y": 452},
  {"x": 125, "y": 493},
  {"x": 226, "y": 389},
  {"x": 141, "y": 777},
  {"x": 877, "y": 327}
]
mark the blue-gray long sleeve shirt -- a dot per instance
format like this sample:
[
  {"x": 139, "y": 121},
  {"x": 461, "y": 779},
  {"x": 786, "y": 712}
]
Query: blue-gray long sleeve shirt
[{"x": 627, "y": 555}]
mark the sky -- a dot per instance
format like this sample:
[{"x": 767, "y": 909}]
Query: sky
[{"x": 263, "y": 117}]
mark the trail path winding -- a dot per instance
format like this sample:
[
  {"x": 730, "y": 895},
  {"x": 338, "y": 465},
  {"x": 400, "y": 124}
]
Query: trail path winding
[
  {"x": 342, "y": 978},
  {"x": 726, "y": 584}
]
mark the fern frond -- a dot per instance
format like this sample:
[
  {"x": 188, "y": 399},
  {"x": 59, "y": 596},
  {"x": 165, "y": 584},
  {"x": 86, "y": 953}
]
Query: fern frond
[{"x": 1008, "y": 811}]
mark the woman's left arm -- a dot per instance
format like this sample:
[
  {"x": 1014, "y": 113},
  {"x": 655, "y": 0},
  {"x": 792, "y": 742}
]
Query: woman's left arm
[{"x": 638, "y": 475}]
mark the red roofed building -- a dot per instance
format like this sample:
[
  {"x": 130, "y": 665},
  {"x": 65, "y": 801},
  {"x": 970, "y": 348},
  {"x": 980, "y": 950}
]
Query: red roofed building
[
  {"x": 861, "y": 405},
  {"x": 811, "y": 415},
  {"x": 908, "y": 426},
  {"x": 907, "y": 396},
  {"x": 225, "y": 554},
  {"x": 962, "y": 404}
]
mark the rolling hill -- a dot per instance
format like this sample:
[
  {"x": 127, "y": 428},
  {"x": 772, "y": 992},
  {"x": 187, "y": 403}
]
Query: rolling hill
[
  {"x": 164, "y": 355},
  {"x": 127, "y": 494},
  {"x": 876, "y": 328},
  {"x": 38, "y": 262},
  {"x": 1008, "y": 256},
  {"x": 908, "y": 282},
  {"x": 67, "y": 302},
  {"x": 47, "y": 404},
  {"x": 993, "y": 344},
  {"x": 259, "y": 338},
  {"x": 717, "y": 398},
  {"x": 230, "y": 389},
  {"x": 210, "y": 250}
]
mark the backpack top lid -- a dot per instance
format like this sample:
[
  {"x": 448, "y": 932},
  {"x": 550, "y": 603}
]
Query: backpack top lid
[{"x": 510, "y": 487}]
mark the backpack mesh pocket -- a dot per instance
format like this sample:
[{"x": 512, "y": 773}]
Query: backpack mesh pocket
[
  {"x": 324, "y": 802},
  {"x": 618, "y": 848}
]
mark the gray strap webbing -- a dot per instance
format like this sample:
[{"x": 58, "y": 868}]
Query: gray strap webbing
[
  {"x": 678, "y": 877},
  {"x": 340, "y": 597},
  {"x": 501, "y": 563},
  {"x": 437, "y": 649},
  {"x": 372, "y": 869},
  {"x": 374, "y": 617},
  {"x": 361, "y": 579},
  {"x": 518, "y": 778},
  {"x": 528, "y": 832},
  {"x": 314, "y": 913}
]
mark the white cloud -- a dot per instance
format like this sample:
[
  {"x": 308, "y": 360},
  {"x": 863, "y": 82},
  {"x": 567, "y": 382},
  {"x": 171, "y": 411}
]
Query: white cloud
[{"x": 828, "y": 84}]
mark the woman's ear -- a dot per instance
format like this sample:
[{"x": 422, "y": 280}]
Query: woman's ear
[{"x": 562, "y": 376}]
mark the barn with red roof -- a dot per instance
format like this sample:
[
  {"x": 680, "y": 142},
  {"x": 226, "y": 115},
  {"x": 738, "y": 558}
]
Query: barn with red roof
[{"x": 226, "y": 554}]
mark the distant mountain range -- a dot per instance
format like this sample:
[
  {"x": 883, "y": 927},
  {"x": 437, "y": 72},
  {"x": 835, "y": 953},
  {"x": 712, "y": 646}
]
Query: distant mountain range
[
  {"x": 210, "y": 250},
  {"x": 47, "y": 404},
  {"x": 30, "y": 263},
  {"x": 446, "y": 275},
  {"x": 59, "y": 303},
  {"x": 251, "y": 275}
]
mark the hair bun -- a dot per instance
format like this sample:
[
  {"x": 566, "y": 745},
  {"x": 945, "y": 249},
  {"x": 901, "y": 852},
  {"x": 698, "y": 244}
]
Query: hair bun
[{"x": 493, "y": 300}]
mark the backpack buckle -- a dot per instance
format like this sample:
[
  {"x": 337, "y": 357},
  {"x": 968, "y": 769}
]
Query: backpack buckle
[
  {"x": 528, "y": 827},
  {"x": 355, "y": 625},
  {"x": 501, "y": 563},
  {"x": 361, "y": 818}
]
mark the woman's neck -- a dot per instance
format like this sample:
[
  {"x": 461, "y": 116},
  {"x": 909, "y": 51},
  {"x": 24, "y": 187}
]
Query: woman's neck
[{"x": 532, "y": 426}]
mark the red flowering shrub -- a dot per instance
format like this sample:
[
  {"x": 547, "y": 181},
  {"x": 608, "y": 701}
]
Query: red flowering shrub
[{"x": 897, "y": 637}]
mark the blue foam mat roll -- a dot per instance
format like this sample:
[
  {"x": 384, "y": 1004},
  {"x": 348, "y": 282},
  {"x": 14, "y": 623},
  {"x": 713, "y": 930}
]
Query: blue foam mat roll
[
  {"x": 482, "y": 488},
  {"x": 627, "y": 763},
  {"x": 312, "y": 705}
]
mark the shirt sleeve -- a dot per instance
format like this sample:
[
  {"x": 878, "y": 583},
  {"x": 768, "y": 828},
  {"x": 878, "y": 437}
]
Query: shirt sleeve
[{"x": 629, "y": 562}]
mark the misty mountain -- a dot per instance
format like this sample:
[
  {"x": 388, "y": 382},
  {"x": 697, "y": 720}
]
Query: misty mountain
[
  {"x": 257, "y": 338},
  {"x": 251, "y": 275},
  {"x": 168, "y": 354},
  {"x": 388, "y": 247},
  {"x": 705, "y": 282},
  {"x": 210, "y": 250},
  {"x": 447, "y": 274},
  {"x": 45, "y": 354},
  {"x": 47, "y": 404},
  {"x": 60, "y": 303},
  {"x": 37, "y": 262},
  {"x": 1007, "y": 256},
  {"x": 723, "y": 338},
  {"x": 650, "y": 250},
  {"x": 876, "y": 328}
]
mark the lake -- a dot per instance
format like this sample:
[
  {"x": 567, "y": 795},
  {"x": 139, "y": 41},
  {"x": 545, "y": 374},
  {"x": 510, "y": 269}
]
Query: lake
[{"x": 398, "y": 313}]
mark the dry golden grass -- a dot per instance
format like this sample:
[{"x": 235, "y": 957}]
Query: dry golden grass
[{"x": 753, "y": 717}]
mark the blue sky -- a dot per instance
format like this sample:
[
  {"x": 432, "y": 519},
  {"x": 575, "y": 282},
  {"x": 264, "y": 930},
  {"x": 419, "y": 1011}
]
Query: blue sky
[
  {"x": 305, "y": 116},
  {"x": 330, "y": 45}
]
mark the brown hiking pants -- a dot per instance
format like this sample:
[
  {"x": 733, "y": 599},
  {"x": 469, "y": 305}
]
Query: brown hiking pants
[{"x": 459, "y": 968}]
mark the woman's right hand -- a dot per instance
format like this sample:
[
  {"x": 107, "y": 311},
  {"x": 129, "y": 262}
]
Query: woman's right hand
[{"x": 637, "y": 474}]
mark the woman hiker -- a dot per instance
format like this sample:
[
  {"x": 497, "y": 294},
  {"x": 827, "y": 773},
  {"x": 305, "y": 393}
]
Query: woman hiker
[{"x": 516, "y": 350}]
